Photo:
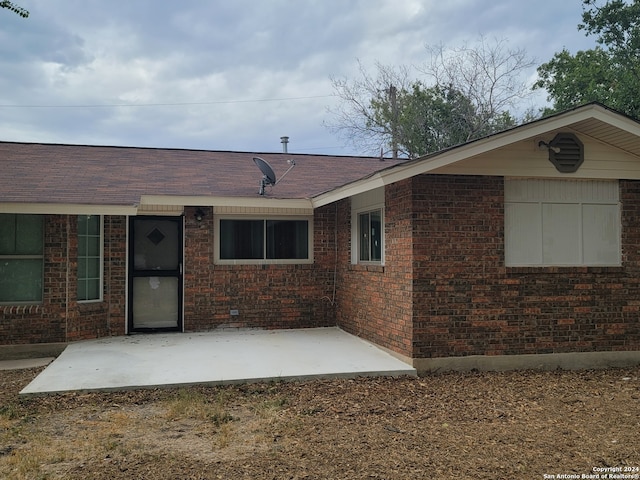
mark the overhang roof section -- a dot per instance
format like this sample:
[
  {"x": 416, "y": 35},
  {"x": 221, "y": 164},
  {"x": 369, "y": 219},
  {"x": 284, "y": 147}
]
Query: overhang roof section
[
  {"x": 43, "y": 175},
  {"x": 502, "y": 153},
  {"x": 50, "y": 178}
]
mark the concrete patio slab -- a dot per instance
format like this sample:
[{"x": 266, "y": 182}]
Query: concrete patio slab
[{"x": 172, "y": 359}]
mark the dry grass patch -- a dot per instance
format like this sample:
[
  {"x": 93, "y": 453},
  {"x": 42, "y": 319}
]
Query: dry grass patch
[
  {"x": 195, "y": 404},
  {"x": 450, "y": 426}
]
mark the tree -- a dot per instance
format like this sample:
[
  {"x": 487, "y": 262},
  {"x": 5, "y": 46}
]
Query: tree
[
  {"x": 430, "y": 119},
  {"x": 423, "y": 119},
  {"x": 488, "y": 74},
  {"x": 466, "y": 94},
  {"x": 572, "y": 80},
  {"x": 608, "y": 73},
  {"x": 14, "y": 8},
  {"x": 360, "y": 116}
]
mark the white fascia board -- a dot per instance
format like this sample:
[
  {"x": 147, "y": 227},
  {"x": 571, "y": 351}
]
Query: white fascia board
[
  {"x": 587, "y": 112},
  {"x": 67, "y": 209},
  {"x": 259, "y": 202},
  {"x": 469, "y": 150},
  {"x": 355, "y": 188},
  {"x": 615, "y": 120}
]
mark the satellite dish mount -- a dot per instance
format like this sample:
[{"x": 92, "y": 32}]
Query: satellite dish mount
[{"x": 268, "y": 175}]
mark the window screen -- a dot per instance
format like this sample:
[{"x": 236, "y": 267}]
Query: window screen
[
  {"x": 21, "y": 258},
  {"x": 89, "y": 257}
]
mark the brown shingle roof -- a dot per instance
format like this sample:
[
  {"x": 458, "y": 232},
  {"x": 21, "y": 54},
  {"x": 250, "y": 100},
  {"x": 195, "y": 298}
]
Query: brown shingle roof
[{"x": 98, "y": 175}]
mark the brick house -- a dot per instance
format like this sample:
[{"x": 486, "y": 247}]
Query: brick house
[{"x": 518, "y": 250}]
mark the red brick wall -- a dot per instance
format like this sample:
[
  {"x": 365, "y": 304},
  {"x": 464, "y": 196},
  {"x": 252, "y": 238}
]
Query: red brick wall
[
  {"x": 466, "y": 302},
  {"x": 269, "y": 296},
  {"x": 60, "y": 318},
  {"x": 45, "y": 322},
  {"x": 100, "y": 319},
  {"x": 115, "y": 273},
  {"x": 266, "y": 296},
  {"x": 443, "y": 291},
  {"x": 375, "y": 302}
]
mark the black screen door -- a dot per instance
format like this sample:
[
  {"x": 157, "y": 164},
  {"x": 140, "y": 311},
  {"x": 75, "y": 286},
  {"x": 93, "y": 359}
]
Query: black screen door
[{"x": 155, "y": 273}]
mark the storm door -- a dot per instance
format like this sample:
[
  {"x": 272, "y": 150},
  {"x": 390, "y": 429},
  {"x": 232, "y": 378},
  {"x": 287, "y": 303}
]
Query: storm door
[{"x": 155, "y": 273}]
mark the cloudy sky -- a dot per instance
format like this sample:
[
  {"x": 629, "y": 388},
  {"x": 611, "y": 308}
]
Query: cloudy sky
[{"x": 235, "y": 74}]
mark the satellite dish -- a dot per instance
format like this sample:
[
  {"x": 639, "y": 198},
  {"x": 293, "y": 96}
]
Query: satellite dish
[{"x": 268, "y": 175}]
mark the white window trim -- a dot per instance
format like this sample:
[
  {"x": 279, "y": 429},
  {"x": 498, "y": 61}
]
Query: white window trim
[
  {"x": 101, "y": 297},
  {"x": 355, "y": 234},
  {"x": 293, "y": 261},
  {"x": 40, "y": 257}
]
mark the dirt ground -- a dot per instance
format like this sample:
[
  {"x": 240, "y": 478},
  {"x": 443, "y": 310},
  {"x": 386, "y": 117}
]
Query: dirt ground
[{"x": 517, "y": 425}]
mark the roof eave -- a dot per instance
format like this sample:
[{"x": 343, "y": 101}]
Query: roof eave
[
  {"x": 455, "y": 154},
  {"x": 67, "y": 209},
  {"x": 220, "y": 201},
  {"x": 147, "y": 201}
]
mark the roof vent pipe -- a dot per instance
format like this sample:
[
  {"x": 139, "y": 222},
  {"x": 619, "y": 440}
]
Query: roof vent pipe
[{"x": 285, "y": 142}]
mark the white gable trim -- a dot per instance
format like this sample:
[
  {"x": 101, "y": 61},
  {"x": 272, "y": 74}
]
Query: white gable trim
[{"x": 453, "y": 155}]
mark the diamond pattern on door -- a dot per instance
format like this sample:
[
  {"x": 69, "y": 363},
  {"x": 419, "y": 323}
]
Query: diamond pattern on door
[{"x": 156, "y": 236}]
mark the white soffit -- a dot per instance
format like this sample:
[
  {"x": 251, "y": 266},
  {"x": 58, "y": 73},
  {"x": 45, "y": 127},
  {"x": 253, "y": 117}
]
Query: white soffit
[
  {"x": 67, "y": 209},
  {"x": 160, "y": 205},
  {"x": 246, "y": 202}
]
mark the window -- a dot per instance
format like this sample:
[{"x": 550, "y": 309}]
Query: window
[
  {"x": 21, "y": 258},
  {"x": 89, "y": 258},
  {"x": 562, "y": 223},
  {"x": 287, "y": 239},
  {"x": 370, "y": 236},
  {"x": 241, "y": 239},
  {"x": 367, "y": 227},
  {"x": 264, "y": 240}
]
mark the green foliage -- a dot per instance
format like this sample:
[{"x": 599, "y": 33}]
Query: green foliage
[
  {"x": 608, "y": 73},
  {"x": 14, "y": 8},
  {"x": 430, "y": 119},
  {"x": 617, "y": 25},
  {"x": 572, "y": 80}
]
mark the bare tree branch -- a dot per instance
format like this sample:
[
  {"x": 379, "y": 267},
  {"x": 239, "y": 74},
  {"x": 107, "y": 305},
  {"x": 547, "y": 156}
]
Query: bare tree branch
[
  {"x": 490, "y": 74},
  {"x": 355, "y": 118},
  {"x": 464, "y": 93}
]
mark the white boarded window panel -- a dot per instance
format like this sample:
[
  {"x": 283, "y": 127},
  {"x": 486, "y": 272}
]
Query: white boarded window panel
[
  {"x": 523, "y": 222},
  {"x": 561, "y": 234},
  {"x": 561, "y": 191},
  {"x": 562, "y": 222}
]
